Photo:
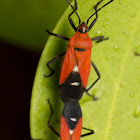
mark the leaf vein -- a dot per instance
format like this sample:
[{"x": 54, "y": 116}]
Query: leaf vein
[{"x": 117, "y": 83}]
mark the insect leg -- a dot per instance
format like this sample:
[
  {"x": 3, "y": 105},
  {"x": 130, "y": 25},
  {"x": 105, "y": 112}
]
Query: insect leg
[
  {"x": 98, "y": 74},
  {"x": 89, "y": 133},
  {"x": 51, "y": 61},
  {"x": 99, "y": 39},
  {"x": 50, "y": 126},
  {"x": 59, "y": 36},
  {"x": 96, "y": 38},
  {"x": 93, "y": 97}
]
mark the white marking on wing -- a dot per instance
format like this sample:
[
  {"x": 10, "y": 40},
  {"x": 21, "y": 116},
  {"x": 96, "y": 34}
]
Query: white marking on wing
[
  {"x": 73, "y": 119},
  {"x": 76, "y": 68},
  {"x": 74, "y": 84},
  {"x": 71, "y": 132}
]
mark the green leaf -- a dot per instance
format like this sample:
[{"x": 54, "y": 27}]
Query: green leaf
[{"x": 116, "y": 114}]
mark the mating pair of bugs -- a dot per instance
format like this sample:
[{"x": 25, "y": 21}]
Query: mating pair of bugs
[{"x": 74, "y": 75}]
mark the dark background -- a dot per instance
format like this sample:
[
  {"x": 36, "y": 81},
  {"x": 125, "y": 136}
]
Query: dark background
[
  {"x": 17, "y": 74},
  {"x": 22, "y": 39}
]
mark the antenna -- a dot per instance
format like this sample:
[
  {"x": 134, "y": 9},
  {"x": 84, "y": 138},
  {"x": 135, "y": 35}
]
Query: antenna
[
  {"x": 74, "y": 11},
  {"x": 97, "y": 11}
]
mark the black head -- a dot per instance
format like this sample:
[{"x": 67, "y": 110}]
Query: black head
[
  {"x": 82, "y": 28},
  {"x": 72, "y": 113}
]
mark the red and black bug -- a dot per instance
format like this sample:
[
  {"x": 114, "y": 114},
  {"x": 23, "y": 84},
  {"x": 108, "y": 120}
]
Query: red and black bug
[
  {"x": 77, "y": 61},
  {"x": 71, "y": 121}
]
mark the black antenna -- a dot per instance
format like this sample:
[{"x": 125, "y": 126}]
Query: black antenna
[
  {"x": 98, "y": 10},
  {"x": 74, "y": 11}
]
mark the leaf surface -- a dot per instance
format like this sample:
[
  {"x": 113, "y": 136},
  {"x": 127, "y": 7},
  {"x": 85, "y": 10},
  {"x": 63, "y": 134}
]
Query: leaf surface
[{"x": 116, "y": 114}]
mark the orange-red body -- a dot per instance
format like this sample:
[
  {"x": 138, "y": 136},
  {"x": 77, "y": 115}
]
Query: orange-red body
[
  {"x": 80, "y": 58},
  {"x": 65, "y": 131}
]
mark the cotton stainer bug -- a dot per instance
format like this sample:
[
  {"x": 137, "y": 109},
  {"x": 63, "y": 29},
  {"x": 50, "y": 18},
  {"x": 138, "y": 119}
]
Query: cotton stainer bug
[
  {"x": 71, "y": 121},
  {"x": 77, "y": 60}
]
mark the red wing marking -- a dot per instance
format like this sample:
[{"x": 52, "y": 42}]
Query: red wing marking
[
  {"x": 77, "y": 131},
  {"x": 84, "y": 65},
  {"x": 67, "y": 66},
  {"x": 65, "y": 131},
  {"x": 73, "y": 57}
]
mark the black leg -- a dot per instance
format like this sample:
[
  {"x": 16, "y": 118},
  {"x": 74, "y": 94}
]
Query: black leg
[
  {"x": 93, "y": 97},
  {"x": 50, "y": 126},
  {"x": 89, "y": 133},
  {"x": 100, "y": 40},
  {"x": 59, "y": 36},
  {"x": 51, "y": 61},
  {"x": 96, "y": 38},
  {"x": 98, "y": 73},
  {"x": 69, "y": 17}
]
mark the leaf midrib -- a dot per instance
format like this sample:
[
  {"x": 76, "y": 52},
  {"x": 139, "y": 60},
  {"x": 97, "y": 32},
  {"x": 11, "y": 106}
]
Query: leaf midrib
[{"x": 117, "y": 83}]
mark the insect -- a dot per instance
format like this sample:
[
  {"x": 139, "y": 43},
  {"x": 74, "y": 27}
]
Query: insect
[
  {"x": 77, "y": 60},
  {"x": 71, "y": 121}
]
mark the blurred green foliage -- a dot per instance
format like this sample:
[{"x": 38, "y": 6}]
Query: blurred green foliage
[{"x": 23, "y": 23}]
